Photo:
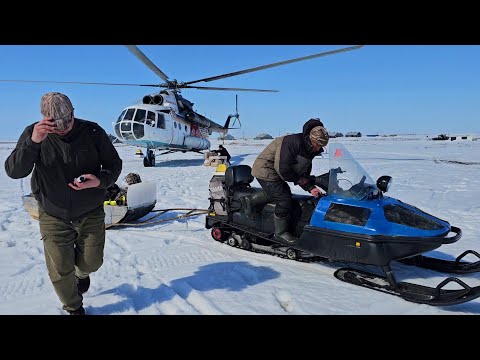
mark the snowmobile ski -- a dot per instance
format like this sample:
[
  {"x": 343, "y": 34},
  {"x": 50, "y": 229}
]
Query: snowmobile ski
[
  {"x": 447, "y": 266},
  {"x": 411, "y": 292}
]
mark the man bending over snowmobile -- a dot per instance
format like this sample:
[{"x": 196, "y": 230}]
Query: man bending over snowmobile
[{"x": 289, "y": 158}]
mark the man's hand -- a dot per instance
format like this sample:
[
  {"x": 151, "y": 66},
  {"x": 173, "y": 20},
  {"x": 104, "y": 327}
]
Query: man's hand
[
  {"x": 42, "y": 129},
  {"x": 91, "y": 182},
  {"x": 316, "y": 192}
]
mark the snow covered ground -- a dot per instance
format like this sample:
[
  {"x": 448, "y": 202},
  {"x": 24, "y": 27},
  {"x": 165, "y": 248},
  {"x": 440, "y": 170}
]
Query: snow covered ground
[{"x": 177, "y": 268}]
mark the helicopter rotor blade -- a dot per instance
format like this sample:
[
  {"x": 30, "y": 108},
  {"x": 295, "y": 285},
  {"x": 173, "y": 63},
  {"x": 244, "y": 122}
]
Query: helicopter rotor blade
[
  {"x": 280, "y": 63},
  {"x": 222, "y": 88},
  {"x": 144, "y": 59},
  {"x": 80, "y": 83}
]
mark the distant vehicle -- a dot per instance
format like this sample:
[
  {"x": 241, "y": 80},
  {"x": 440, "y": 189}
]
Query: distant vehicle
[
  {"x": 353, "y": 134},
  {"x": 441, "y": 137},
  {"x": 335, "y": 134}
]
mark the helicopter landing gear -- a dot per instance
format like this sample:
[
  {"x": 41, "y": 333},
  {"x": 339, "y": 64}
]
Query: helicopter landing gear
[{"x": 149, "y": 160}]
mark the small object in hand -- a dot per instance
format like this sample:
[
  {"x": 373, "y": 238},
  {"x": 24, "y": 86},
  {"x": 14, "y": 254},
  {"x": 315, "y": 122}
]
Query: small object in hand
[{"x": 81, "y": 179}]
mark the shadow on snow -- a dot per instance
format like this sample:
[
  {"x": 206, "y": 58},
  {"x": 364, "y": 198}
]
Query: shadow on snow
[{"x": 229, "y": 276}]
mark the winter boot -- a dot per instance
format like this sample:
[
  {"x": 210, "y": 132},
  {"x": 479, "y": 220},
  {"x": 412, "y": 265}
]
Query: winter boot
[
  {"x": 79, "y": 311},
  {"x": 281, "y": 230},
  {"x": 83, "y": 284}
]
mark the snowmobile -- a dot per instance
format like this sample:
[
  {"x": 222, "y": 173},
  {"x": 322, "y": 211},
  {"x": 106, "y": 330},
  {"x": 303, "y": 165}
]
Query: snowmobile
[{"x": 353, "y": 222}]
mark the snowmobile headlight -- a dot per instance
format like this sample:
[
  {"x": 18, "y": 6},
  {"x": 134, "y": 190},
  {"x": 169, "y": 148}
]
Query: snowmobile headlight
[{"x": 384, "y": 183}]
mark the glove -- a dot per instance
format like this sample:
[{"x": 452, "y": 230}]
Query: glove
[{"x": 303, "y": 181}]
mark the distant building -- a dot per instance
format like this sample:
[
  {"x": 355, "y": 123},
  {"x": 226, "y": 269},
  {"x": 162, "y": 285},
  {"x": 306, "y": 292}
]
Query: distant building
[
  {"x": 226, "y": 137},
  {"x": 353, "y": 134},
  {"x": 461, "y": 138},
  {"x": 334, "y": 134},
  {"x": 263, "y": 136}
]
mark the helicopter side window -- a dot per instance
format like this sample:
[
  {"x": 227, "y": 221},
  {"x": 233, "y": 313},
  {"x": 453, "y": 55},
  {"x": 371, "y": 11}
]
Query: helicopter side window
[
  {"x": 185, "y": 128},
  {"x": 151, "y": 119},
  {"x": 175, "y": 124},
  {"x": 140, "y": 115},
  {"x": 161, "y": 121},
  {"x": 121, "y": 116},
  {"x": 129, "y": 114}
]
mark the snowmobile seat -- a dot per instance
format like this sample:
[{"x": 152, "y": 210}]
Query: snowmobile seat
[
  {"x": 239, "y": 176},
  {"x": 238, "y": 179}
]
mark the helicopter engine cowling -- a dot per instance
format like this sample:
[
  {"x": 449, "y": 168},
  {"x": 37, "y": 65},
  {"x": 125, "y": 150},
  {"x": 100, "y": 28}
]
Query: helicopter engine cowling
[
  {"x": 197, "y": 143},
  {"x": 158, "y": 100},
  {"x": 147, "y": 99}
]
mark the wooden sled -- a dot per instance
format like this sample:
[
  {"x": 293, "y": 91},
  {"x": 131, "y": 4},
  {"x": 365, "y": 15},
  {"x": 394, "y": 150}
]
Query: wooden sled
[
  {"x": 213, "y": 160},
  {"x": 141, "y": 199}
]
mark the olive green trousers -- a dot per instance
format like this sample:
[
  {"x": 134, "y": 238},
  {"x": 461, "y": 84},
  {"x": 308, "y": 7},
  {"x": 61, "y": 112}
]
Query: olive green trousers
[{"x": 72, "y": 249}]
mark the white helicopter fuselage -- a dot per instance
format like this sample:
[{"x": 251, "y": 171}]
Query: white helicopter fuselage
[{"x": 161, "y": 126}]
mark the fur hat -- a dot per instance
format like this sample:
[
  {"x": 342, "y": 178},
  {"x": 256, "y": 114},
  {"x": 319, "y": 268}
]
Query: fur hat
[
  {"x": 319, "y": 135},
  {"x": 58, "y": 107}
]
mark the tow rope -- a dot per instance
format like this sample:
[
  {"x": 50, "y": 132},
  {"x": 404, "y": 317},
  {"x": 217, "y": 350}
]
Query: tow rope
[{"x": 190, "y": 212}]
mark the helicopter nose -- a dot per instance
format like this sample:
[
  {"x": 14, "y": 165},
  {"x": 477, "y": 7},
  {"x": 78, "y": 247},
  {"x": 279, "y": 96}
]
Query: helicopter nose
[{"x": 129, "y": 130}]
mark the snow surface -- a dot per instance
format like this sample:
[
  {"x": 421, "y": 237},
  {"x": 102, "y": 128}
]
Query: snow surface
[{"x": 177, "y": 268}]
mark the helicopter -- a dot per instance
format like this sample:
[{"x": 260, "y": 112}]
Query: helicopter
[{"x": 166, "y": 120}]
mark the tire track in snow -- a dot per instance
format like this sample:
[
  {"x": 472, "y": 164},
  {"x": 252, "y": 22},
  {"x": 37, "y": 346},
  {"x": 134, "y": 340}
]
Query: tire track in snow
[
  {"x": 26, "y": 286},
  {"x": 195, "y": 299}
]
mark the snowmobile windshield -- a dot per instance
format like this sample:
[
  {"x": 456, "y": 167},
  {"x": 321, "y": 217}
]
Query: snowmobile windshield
[{"x": 348, "y": 179}]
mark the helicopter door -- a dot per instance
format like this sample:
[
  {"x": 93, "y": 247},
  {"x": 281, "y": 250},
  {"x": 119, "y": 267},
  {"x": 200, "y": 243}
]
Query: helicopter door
[
  {"x": 177, "y": 138},
  {"x": 151, "y": 122},
  {"x": 182, "y": 133}
]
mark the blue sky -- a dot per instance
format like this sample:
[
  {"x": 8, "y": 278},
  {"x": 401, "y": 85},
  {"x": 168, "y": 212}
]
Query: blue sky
[{"x": 421, "y": 89}]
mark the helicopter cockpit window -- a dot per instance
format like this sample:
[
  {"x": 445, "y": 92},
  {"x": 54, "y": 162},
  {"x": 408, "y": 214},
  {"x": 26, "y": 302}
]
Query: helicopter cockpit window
[
  {"x": 151, "y": 118},
  {"x": 126, "y": 126},
  {"x": 121, "y": 116},
  {"x": 161, "y": 121},
  {"x": 140, "y": 116},
  {"x": 129, "y": 114}
]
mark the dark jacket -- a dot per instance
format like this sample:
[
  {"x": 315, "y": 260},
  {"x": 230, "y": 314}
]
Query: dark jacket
[
  {"x": 288, "y": 158},
  {"x": 57, "y": 160},
  {"x": 223, "y": 152}
]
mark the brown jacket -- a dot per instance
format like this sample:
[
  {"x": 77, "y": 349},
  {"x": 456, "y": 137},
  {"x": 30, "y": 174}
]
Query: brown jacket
[
  {"x": 266, "y": 166},
  {"x": 288, "y": 157}
]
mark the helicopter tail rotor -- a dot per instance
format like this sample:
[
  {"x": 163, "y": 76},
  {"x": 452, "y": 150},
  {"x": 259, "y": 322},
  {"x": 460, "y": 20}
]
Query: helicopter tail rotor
[{"x": 235, "y": 117}]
